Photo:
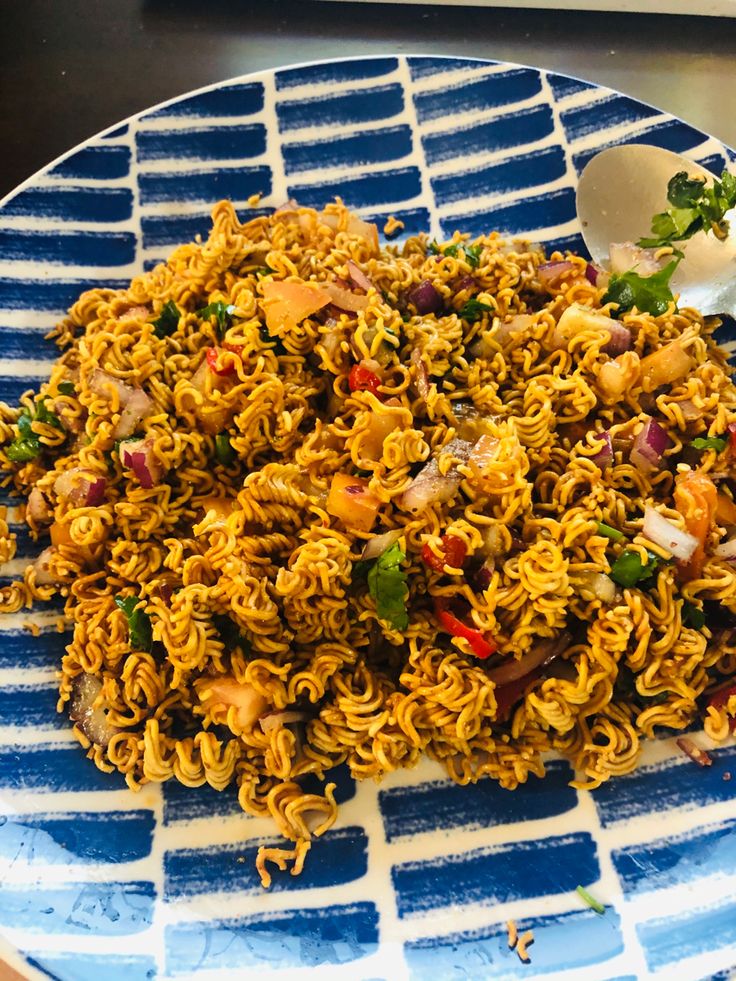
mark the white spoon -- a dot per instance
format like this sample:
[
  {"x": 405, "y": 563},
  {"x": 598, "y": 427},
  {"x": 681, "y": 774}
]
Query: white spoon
[{"x": 619, "y": 192}]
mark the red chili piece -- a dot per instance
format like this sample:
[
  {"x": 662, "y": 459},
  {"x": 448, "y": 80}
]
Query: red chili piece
[
  {"x": 732, "y": 438},
  {"x": 212, "y": 355},
  {"x": 720, "y": 698},
  {"x": 362, "y": 379},
  {"x": 454, "y": 553},
  {"x": 480, "y": 644}
]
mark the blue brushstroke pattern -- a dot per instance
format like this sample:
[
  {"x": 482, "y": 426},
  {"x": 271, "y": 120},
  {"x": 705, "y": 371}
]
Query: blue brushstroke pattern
[
  {"x": 425, "y": 67},
  {"x": 112, "y": 909},
  {"x": 496, "y": 874},
  {"x": 95, "y": 163},
  {"x": 93, "y": 204},
  {"x": 172, "y": 230},
  {"x": 674, "y": 860},
  {"x": 561, "y": 943},
  {"x": 53, "y": 839},
  {"x": 517, "y": 218},
  {"x": 670, "y": 784},
  {"x": 366, "y": 191},
  {"x": 237, "y": 183},
  {"x": 92, "y": 967},
  {"x": 502, "y": 133},
  {"x": 12, "y": 388},
  {"x": 564, "y": 85},
  {"x": 528, "y": 170},
  {"x": 673, "y": 938},
  {"x": 299, "y": 938},
  {"x": 490, "y": 91},
  {"x": 377, "y": 146},
  {"x": 669, "y": 134},
  {"x": 441, "y": 805},
  {"x": 240, "y": 99},
  {"x": 335, "y": 72},
  {"x": 68, "y": 248},
  {"x": 25, "y": 546},
  {"x": 206, "y": 143},
  {"x": 568, "y": 243},
  {"x": 603, "y": 114},
  {"x": 344, "y": 109},
  {"x": 31, "y": 705},
  {"x": 116, "y": 133},
  {"x": 49, "y": 769},
  {"x": 18, "y": 343},
  {"x": 715, "y": 163},
  {"x": 415, "y": 220},
  {"x": 20, "y": 649},
  {"x": 339, "y": 856},
  {"x": 49, "y": 295}
]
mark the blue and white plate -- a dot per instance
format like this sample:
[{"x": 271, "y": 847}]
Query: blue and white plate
[{"x": 418, "y": 877}]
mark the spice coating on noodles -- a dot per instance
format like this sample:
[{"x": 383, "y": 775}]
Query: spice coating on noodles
[{"x": 310, "y": 501}]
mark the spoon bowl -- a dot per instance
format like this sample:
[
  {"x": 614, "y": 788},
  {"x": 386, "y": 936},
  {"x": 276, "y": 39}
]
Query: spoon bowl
[{"x": 619, "y": 192}]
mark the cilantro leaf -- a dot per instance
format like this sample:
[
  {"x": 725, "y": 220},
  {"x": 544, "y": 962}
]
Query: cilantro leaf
[
  {"x": 628, "y": 569},
  {"x": 717, "y": 443},
  {"x": 684, "y": 191},
  {"x": 434, "y": 248},
  {"x": 695, "y": 208},
  {"x": 223, "y": 450},
  {"x": 692, "y": 616},
  {"x": 66, "y": 388},
  {"x": 222, "y": 312},
  {"x": 472, "y": 254},
  {"x": 649, "y": 294},
  {"x": 27, "y": 445},
  {"x": 473, "y": 310},
  {"x": 167, "y": 321},
  {"x": 140, "y": 635},
  {"x": 387, "y": 586},
  {"x": 451, "y": 250}
]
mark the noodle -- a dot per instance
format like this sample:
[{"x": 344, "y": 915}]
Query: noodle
[{"x": 221, "y": 444}]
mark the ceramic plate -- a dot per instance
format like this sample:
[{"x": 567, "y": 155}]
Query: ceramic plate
[{"x": 418, "y": 877}]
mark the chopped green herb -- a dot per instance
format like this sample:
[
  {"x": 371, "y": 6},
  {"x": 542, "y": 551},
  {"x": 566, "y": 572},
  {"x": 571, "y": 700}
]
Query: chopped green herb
[
  {"x": 434, "y": 248},
  {"x": 366, "y": 474},
  {"x": 590, "y": 901},
  {"x": 66, "y": 388},
  {"x": 717, "y": 443},
  {"x": 229, "y": 633},
  {"x": 451, "y": 250},
  {"x": 695, "y": 208},
  {"x": 608, "y": 532},
  {"x": 26, "y": 445},
  {"x": 387, "y": 586},
  {"x": 222, "y": 312},
  {"x": 474, "y": 309},
  {"x": 263, "y": 271},
  {"x": 223, "y": 450},
  {"x": 140, "y": 635},
  {"x": 628, "y": 569},
  {"x": 275, "y": 343},
  {"x": 167, "y": 321},
  {"x": 693, "y": 616},
  {"x": 649, "y": 294},
  {"x": 473, "y": 254}
]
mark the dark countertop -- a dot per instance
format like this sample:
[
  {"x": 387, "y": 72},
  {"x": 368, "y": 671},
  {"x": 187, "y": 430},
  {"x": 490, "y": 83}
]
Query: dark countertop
[{"x": 72, "y": 68}]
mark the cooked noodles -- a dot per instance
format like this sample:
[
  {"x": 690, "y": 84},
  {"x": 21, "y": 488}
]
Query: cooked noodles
[{"x": 309, "y": 501}]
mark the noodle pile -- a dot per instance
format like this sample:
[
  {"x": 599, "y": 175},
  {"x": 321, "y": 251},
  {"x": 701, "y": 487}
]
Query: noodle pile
[{"x": 226, "y": 619}]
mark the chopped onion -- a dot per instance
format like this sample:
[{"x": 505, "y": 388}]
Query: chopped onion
[
  {"x": 691, "y": 749},
  {"x": 689, "y": 410},
  {"x": 430, "y": 486},
  {"x": 378, "y": 545},
  {"x": 358, "y": 277},
  {"x": 539, "y": 655},
  {"x": 37, "y": 507},
  {"x": 604, "y": 457},
  {"x": 620, "y": 339},
  {"x": 223, "y": 692},
  {"x": 591, "y": 273},
  {"x": 466, "y": 283},
  {"x": 649, "y": 446},
  {"x": 138, "y": 455},
  {"x": 597, "y": 583},
  {"x": 101, "y": 382},
  {"x": 666, "y": 366},
  {"x": 626, "y": 255},
  {"x": 550, "y": 272},
  {"x": 92, "y": 721},
  {"x": 138, "y": 405},
  {"x": 425, "y": 298},
  {"x": 275, "y": 720},
  {"x": 344, "y": 298},
  {"x": 519, "y": 322},
  {"x": 422, "y": 375},
  {"x": 42, "y": 567},
  {"x": 80, "y": 487},
  {"x": 664, "y": 533},
  {"x": 726, "y": 550}
]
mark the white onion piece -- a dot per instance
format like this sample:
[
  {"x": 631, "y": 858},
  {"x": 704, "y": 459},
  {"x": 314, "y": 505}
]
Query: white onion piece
[
  {"x": 505, "y": 330},
  {"x": 597, "y": 583},
  {"x": 274, "y": 720},
  {"x": 726, "y": 550},
  {"x": 92, "y": 721},
  {"x": 430, "y": 486},
  {"x": 344, "y": 299},
  {"x": 42, "y": 567},
  {"x": 540, "y": 654},
  {"x": 37, "y": 507},
  {"x": 422, "y": 375},
  {"x": 101, "y": 383},
  {"x": 138, "y": 406},
  {"x": 358, "y": 277},
  {"x": 80, "y": 487},
  {"x": 626, "y": 255},
  {"x": 689, "y": 410},
  {"x": 549, "y": 272},
  {"x": 664, "y": 533},
  {"x": 378, "y": 545}
]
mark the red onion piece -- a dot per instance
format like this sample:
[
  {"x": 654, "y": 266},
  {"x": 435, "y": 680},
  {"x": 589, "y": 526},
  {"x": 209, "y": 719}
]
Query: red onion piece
[
  {"x": 358, "y": 277},
  {"x": 274, "y": 720},
  {"x": 96, "y": 492},
  {"x": 604, "y": 458},
  {"x": 92, "y": 721},
  {"x": 425, "y": 298},
  {"x": 378, "y": 545},
  {"x": 620, "y": 339},
  {"x": 550, "y": 272},
  {"x": 422, "y": 375},
  {"x": 80, "y": 487},
  {"x": 591, "y": 273},
  {"x": 664, "y": 533},
  {"x": 691, "y": 749},
  {"x": 430, "y": 486},
  {"x": 649, "y": 446},
  {"x": 139, "y": 457},
  {"x": 539, "y": 655}
]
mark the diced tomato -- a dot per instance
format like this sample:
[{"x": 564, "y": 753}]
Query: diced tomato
[
  {"x": 732, "y": 438},
  {"x": 720, "y": 698},
  {"x": 454, "y": 553},
  {"x": 351, "y": 501},
  {"x": 480, "y": 644},
  {"x": 213, "y": 354},
  {"x": 696, "y": 499},
  {"x": 362, "y": 379}
]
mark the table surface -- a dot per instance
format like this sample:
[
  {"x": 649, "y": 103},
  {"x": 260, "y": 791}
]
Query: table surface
[{"x": 73, "y": 68}]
